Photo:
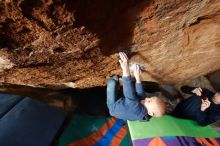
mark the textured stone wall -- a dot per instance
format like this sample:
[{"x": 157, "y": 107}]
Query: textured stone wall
[{"x": 60, "y": 43}]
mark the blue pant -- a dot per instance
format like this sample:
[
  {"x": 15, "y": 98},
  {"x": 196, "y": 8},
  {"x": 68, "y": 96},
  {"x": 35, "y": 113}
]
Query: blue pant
[{"x": 111, "y": 92}]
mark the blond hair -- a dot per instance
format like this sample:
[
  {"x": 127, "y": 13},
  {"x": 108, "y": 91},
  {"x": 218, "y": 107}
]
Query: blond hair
[{"x": 161, "y": 107}]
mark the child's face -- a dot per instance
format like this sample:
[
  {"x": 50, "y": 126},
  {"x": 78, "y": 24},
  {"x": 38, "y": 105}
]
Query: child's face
[
  {"x": 217, "y": 97},
  {"x": 151, "y": 105}
]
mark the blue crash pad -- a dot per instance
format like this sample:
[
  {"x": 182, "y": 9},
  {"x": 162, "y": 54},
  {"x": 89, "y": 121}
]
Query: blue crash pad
[
  {"x": 7, "y": 102},
  {"x": 29, "y": 123}
]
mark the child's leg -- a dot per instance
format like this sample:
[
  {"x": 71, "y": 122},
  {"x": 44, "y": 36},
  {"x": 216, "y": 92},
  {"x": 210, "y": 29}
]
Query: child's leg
[{"x": 111, "y": 92}]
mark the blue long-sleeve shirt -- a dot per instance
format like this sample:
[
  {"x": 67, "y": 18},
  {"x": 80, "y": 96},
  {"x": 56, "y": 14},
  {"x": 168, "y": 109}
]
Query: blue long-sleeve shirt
[
  {"x": 129, "y": 106},
  {"x": 191, "y": 108}
]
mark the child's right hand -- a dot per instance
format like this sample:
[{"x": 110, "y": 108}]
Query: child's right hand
[
  {"x": 124, "y": 63},
  {"x": 197, "y": 91},
  {"x": 137, "y": 73}
]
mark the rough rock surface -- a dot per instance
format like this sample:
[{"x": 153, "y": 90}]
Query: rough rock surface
[{"x": 60, "y": 43}]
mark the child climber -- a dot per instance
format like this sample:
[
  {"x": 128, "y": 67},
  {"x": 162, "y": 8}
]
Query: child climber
[{"x": 131, "y": 107}]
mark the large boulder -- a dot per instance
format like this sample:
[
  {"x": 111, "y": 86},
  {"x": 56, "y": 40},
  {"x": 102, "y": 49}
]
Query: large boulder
[{"x": 64, "y": 43}]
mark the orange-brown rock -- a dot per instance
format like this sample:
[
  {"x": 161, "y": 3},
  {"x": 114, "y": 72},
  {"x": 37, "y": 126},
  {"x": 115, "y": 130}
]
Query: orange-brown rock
[{"x": 60, "y": 43}]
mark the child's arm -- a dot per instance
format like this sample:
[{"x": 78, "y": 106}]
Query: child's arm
[
  {"x": 197, "y": 91},
  {"x": 187, "y": 89},
  {"x": 202, "y": 116},
  {"x": 138, "y": 86},
  {"x": 128, "y": 88}
]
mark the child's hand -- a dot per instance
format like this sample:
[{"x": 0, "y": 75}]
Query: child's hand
[
  {"x": 124, "y": 63},
  {"x": 197, "y": 91},
  {"x": 137, "y": 73},
  {"x": 205, "y": 104}
]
